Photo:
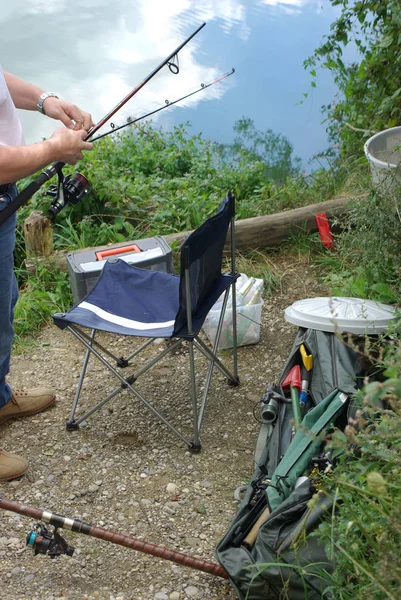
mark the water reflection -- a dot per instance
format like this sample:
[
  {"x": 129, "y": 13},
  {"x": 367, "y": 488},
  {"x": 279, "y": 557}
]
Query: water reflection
[{"x": 93, "y": 51}]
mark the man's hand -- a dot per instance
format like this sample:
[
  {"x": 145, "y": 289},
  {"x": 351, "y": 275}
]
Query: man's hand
[
  {"x": 66, "y": 112},
  {"x": 67, "y": 145},
  {"x": 25, "y": 96}
]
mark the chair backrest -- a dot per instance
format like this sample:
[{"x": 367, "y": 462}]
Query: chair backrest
[{"x": 202, "y": 255}]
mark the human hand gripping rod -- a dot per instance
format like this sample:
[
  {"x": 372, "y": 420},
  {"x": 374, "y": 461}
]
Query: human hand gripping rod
[{"x": 56, "y": 167}]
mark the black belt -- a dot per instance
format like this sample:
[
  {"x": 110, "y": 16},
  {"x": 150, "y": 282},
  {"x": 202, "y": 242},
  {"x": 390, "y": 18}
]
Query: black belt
[{"x": 5, "y": 188}]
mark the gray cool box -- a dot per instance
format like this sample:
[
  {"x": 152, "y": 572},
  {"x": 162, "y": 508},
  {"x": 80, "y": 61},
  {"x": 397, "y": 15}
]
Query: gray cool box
[{"x": 85, "y": 266}]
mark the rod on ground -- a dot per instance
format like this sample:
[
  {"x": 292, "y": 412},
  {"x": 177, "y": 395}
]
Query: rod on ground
[{"x": 120, "y": 539}]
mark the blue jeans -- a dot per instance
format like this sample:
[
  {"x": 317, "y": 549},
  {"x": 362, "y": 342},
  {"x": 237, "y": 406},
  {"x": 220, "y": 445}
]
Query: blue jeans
[{"x": 8, "y": 293}]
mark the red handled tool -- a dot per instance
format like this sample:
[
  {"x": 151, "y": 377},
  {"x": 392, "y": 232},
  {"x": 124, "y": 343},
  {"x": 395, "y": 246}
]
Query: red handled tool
[{"x": 293, "y": 383}]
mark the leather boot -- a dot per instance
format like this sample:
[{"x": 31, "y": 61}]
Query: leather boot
[
  {"x": 11, "y": 466},
  {"x": 26, "y": 402}
]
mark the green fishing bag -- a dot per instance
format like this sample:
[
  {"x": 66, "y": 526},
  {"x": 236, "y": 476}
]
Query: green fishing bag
[{"x": 282, "y": 563}]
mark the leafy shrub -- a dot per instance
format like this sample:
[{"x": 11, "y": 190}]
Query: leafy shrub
[
  {"x": 367, "y": 259},
  {"x": 370, "y": 92},
  {"x": 364, "y": 532}
]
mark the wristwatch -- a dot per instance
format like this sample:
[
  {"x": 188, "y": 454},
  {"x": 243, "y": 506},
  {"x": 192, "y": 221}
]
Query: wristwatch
[{"x": 42, "y": 98}]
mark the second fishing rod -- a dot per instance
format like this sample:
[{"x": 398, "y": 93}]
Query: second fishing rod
[{"x": 26, "y": 194}]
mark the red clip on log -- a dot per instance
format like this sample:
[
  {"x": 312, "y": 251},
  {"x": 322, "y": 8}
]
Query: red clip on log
[{"x": 324, "y": 230}]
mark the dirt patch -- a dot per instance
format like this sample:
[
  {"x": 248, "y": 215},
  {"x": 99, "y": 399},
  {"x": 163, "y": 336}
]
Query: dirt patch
[{"x": 115, "y": 471}]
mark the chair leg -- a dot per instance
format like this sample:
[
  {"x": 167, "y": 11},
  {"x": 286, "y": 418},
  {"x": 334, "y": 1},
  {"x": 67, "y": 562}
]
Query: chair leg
[
  {"x": 144, "y": 345},
  {"x": 206, "y": 351},
  {"x": 126, "y": 383},
  {"x": 234, "y": 299},
  {"x": 71, "y": 424},
  {"x": 235, "y": 340},
  {"x": 196, "y": 446},
  {"x": 212, "y": 360}
]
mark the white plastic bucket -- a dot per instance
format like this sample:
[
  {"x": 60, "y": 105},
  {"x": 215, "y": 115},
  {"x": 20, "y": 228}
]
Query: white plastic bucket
[
  {"x": 383, "y": 151},
  {"x": 349, "y": 315}
]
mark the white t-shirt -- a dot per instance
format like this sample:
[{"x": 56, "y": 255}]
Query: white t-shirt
[{"x": 10, "y": 126}]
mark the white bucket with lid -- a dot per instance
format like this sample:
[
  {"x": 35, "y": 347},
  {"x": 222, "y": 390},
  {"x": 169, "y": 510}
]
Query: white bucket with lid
[
  {"x": 347, "y": 315},
  {"x": 383, "y": 151}
]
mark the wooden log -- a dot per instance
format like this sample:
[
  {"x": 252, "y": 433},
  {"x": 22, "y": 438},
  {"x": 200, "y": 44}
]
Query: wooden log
[
  {"x": 256, "y": 232},
  {"x": 271, "y": 230},
  {"x": 38, "y": 234}
]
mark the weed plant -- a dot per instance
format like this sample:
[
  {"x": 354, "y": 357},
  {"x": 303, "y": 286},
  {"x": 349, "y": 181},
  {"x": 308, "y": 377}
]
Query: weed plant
[
  {"x": 165, "y": 182},
  {"x": 363, "y": 535},
  {"x": 366, "y": 261},
  {"x": 45, "y": 292}
]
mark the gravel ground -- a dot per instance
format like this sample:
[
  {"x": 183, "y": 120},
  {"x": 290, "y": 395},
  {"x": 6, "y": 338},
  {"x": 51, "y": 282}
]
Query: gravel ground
[{"x": 127, "y": 472}]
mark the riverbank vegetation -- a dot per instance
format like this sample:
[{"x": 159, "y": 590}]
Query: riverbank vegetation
[
  {"x": 364, "y": 532},
  {"x": 149, "y": 181}
]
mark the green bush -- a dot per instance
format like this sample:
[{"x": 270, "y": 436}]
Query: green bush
[
  {"x": 366, "y": 261},
  {"x": 363, "y": 534},
  {"x": 370, "y": 92}
]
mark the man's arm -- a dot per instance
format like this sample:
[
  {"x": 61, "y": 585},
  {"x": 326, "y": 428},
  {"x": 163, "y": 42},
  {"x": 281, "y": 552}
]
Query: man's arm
[
  {"x": 26, "y": 95},
  {"x": 65, "y": 145}
]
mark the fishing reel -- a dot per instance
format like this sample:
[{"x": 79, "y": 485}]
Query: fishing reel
[
  {"x": 70, "y": 189},
  {"x": 46, "y": 542},
  {"x": 270, "y": 401}
]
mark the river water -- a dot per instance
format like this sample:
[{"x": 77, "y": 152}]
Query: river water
[{"x": 93, "y": 52}]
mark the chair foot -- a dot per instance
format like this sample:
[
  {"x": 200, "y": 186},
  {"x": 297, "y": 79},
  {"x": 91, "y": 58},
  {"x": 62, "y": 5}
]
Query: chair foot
[
  {"x": 194, "y": 448},
  {"x": 122, "y": 362},
  {"x": 71, "y": 426},
  {"x": 233, "y": 382}
]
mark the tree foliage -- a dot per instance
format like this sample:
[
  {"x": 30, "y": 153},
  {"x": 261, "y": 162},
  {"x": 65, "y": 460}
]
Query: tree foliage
[{"x": 370, "y": 90}]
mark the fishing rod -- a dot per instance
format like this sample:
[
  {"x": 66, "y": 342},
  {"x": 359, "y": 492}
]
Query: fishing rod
[
  {"x": 75, "y": 186},
  {"x": 167, "y": 104},
  {"x": 42, "y": 541}
]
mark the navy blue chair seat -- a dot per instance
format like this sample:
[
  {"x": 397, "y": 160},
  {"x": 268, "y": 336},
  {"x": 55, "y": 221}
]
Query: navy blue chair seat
[{"x": 147, "y": 301}]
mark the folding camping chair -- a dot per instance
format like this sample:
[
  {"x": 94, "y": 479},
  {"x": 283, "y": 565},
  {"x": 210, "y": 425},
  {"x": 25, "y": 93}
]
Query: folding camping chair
[{"x": 131, "y": 301}]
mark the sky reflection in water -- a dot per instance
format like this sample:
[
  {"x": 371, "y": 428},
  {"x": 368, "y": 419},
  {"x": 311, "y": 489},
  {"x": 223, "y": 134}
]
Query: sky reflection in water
[{"x": 94, "y": 52}]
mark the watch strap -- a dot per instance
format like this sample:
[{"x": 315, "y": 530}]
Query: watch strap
[{"x": 41, "y": 100}]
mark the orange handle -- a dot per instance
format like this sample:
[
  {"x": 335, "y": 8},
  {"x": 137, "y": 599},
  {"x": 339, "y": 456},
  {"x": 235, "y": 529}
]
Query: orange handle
[{"x": 104, "y": 253}]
